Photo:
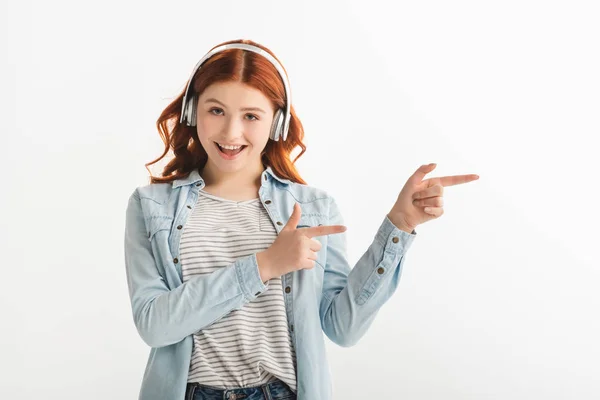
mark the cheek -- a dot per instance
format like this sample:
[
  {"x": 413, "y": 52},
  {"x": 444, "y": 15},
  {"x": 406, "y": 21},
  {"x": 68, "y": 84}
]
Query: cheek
[
  {"x": 258, "y": 137},
  {"x": 258, "y": 130},
  {"x": 207, "y": 124},
  {"x": 207, "y": 127}
]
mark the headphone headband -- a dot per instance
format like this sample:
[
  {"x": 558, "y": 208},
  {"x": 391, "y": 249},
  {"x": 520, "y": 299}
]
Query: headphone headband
[{"x": 280, "y": 127}]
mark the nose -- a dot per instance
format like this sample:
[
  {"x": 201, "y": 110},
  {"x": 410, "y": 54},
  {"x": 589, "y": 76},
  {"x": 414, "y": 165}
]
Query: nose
[{"x": 233, "y": 128}]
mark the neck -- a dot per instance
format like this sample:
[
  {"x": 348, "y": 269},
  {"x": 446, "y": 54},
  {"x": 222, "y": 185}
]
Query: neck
[{"x": 247, "y": 177}]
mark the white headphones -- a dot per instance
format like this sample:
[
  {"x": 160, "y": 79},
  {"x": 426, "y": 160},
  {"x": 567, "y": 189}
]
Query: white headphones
[{"x": 281, "y": 120}]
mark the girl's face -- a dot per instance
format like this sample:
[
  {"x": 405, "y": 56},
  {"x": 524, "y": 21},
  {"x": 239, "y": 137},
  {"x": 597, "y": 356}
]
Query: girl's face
[{"x": 233, "y": 113}]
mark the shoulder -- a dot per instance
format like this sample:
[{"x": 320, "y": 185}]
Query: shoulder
[
  {"x": 308, "y": 193},
  {"x": 152, "y": 201},
  {"x": 316, "y": 202},
  {"x": 155, "y": 192}
]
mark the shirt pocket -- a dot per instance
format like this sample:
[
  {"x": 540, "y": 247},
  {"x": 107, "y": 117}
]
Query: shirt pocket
[
  {"x": 157, "y": 224},
  {"x": 159, "y": 230}
]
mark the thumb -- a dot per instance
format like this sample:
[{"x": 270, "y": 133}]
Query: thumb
[
  {"x": 420, "y": 173},
  {"x": 294, "y": 218}
]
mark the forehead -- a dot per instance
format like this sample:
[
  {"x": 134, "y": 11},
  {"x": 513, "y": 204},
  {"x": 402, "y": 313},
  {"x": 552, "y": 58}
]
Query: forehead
[{"x": 235, "y": 93}]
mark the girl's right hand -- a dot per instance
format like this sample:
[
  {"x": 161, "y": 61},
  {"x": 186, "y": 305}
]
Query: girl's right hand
[{"x": 294, "y": 248}]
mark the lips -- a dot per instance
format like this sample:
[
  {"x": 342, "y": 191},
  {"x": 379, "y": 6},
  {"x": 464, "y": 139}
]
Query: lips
[{"x": 219, "y": 147}]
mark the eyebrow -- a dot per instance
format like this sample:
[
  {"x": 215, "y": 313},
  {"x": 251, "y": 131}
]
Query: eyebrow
[{"x": 242, "y": 109}]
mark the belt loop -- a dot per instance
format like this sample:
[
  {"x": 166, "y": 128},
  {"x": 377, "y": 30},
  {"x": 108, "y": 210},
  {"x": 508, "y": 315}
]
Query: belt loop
[
  {"x": 191, "y": 389},
  {"x": 267, "y": 391}
]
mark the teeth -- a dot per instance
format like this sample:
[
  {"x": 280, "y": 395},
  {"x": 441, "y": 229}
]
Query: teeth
[{"x": 229, "y": 147}]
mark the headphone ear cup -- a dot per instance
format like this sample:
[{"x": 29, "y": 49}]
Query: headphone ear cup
[
  {"x": 277, "y": 125},
  {"x": 191, "y": 110},
  {"x": 188, "y": 111},
  {"x": 185, "y": 111},
  {"x": 285, "y": 128}
]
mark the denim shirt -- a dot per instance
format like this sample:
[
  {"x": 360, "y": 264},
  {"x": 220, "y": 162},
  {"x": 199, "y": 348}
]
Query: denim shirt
[{"x": 332, "y": 298}]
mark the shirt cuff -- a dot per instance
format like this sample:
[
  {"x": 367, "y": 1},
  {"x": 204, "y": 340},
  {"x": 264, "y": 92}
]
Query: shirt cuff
[
  {"x": 249, "y": 277},
  {"x": 394, "y": 239}
]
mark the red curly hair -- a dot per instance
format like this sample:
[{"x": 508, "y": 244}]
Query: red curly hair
[{"x": 232, "y": 65}]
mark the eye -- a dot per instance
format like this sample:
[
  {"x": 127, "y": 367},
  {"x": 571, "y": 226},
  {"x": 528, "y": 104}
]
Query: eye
[
  {"x": 254, "y": 117},
  {"x": 215, "y": 109}
]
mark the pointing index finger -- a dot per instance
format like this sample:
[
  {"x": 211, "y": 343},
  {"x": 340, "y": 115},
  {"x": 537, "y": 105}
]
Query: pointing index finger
[
  {"x": 322, "y": 230},
  {"x": 457, "y": 179}
]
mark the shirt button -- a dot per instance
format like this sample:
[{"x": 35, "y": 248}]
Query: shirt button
[
  {"x": 179, "y": 226},
  {"x": 197, "y": 184},
  {"x": 265, "y": 177},
  {"x": 257, "y": 293},
  {"x": 292, "y": 327},
  {"x": 175, "y": 260},
  {"x": 395, "y": 239},
  {"x": 190, "y": 207},
  {"x": 279, "y": 223},
  {"x": 380, "y": 270},
  {"x": 288, "y": 289},
  {"x": 268, "y": 202}
]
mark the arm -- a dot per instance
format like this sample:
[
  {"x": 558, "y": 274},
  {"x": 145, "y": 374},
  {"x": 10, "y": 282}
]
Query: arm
[
  {"x": 163, "y": 316},
  {"x": 351, "y": 298}
]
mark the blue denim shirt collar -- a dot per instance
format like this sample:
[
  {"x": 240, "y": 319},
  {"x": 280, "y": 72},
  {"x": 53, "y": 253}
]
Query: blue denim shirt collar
[{"x": 194, "y": 177}]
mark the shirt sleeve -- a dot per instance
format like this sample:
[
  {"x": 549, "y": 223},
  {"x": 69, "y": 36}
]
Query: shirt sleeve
[
  {"x": 163, "y": 316},
  {"x": 352, "y": 297}
]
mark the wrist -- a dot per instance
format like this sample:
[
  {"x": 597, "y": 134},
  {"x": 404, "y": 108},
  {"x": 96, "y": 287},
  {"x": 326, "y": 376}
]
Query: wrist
[
  {"x": 398, "y": 223},
  {"x": 263, "y": 266}
]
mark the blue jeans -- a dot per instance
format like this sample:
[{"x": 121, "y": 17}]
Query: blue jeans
[{"x": 276, "y": 390}]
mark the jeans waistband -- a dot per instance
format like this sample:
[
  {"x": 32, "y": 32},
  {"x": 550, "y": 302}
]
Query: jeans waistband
[{"x": 276, "y": 387}]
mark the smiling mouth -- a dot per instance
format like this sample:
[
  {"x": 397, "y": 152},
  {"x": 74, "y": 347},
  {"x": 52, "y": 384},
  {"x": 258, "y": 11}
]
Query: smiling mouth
[{"x": 230, "y": 152}]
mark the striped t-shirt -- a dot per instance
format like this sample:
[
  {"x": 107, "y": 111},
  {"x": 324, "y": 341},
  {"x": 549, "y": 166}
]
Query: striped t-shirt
[{"x": 250, "y": 346}]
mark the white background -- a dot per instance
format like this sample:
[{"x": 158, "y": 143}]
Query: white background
[{"x": 498, "y": 298}]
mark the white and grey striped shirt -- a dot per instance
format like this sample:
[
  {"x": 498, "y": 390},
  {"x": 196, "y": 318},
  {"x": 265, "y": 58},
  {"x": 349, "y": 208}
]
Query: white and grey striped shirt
[{"x": 250, "y": 346}]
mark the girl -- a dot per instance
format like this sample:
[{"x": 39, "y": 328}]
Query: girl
[{"x": 235, "y": 266}]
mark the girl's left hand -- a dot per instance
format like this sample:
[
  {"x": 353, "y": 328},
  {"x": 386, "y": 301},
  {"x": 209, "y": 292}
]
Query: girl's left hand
[{"x": 421, "y": 200}]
